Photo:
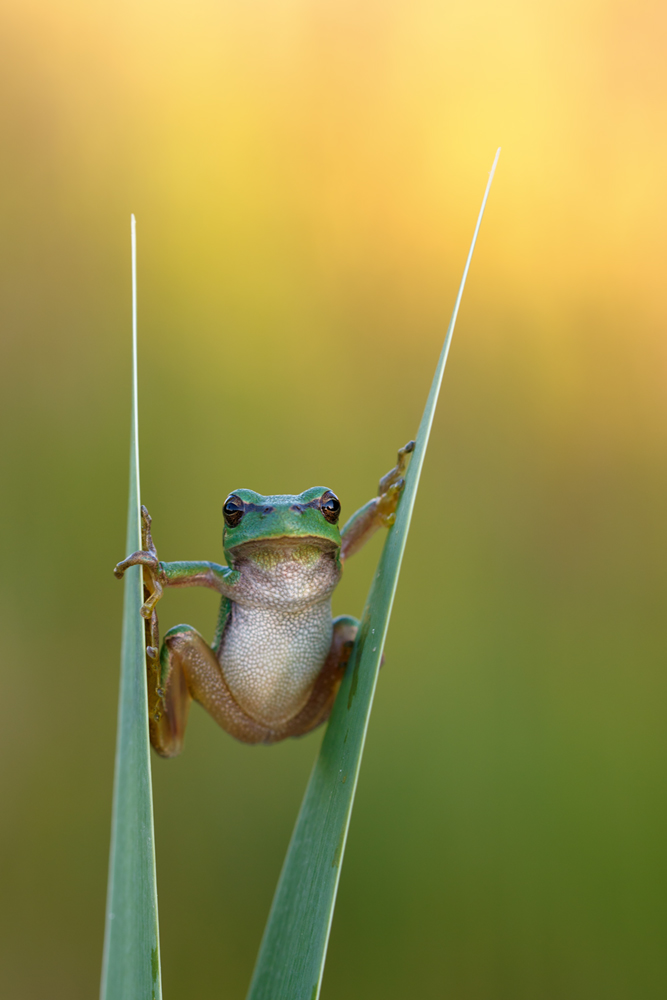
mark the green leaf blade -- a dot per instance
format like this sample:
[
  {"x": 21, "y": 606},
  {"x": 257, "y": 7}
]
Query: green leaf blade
[
  {"x": 291, "y": 960},
  {"x": 131, "y": 963}
]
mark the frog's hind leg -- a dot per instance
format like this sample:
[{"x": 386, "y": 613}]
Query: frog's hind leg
[
  {"x": 168, "y": 700},
  {"x": 190, "y": 669}
]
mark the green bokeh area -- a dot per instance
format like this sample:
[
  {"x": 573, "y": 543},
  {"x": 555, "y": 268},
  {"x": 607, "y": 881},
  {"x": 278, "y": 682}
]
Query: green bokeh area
[{"x": 305, "y": 184}]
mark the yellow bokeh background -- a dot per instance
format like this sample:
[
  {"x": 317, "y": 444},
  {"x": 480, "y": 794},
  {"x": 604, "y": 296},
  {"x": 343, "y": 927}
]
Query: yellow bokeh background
[{"x": 306, "y": 177}]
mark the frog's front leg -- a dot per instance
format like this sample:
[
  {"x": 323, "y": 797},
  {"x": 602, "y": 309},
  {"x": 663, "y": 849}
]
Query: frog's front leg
[
  {"x": 380, "y": 512},
  {"x": 158, "y": 575},
  {"x": 167, "y": 713}
]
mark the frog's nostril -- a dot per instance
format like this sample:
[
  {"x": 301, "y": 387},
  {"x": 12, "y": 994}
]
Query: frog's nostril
[
  {"x": 297, "y": 507},
  {"x": 267, "y": 510}
]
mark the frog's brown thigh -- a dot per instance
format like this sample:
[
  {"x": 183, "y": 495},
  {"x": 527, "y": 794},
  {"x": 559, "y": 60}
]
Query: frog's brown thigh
[
  {"x": 167, "y": 718},
  {"x": 194, "y": 672}
]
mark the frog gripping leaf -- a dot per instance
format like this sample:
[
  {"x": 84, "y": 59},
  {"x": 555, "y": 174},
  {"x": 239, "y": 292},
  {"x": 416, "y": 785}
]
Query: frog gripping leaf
[{"x": 278, "y": 657}]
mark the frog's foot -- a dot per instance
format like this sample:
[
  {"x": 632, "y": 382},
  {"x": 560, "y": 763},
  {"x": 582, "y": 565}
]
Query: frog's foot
[
  {"x": 391, "y": 487},
  {"x": 146, "y": 557}
]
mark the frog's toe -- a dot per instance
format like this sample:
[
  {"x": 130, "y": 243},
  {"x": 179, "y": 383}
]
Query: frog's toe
[
  {"x": 404, "y": 456},
  {"x": 148, "y": 607},
  {"x": 395, "y": 475}
]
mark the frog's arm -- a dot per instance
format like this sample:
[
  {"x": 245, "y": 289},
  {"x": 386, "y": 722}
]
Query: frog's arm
[
  {"x": 158, "y": 575},
  {"x": 197, "y": 574},
  {"x": 380, "y": 512}
]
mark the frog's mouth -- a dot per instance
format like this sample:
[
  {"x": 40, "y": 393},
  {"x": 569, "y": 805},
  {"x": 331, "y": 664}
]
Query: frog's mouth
[{"x": 289, "y": 545}]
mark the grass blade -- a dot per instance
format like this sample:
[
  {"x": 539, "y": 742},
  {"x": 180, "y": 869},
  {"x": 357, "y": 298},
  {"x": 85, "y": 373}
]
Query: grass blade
[
  {"x": 291, "y": 958},
  {"x": 131, "y": 964}
]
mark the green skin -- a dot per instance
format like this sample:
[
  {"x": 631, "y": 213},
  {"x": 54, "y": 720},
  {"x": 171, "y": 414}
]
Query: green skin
[{"x": 277, "y": 658}]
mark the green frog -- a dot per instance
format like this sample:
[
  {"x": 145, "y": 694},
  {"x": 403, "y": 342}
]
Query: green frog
[{"x": 278, "y": 657}]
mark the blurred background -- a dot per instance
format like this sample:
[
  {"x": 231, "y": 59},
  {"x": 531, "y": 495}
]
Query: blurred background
[{"x": 306, "y": 177}]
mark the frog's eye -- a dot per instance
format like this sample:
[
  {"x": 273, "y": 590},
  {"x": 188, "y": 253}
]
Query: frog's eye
[
  {"x": 232, "y": 510},
  {"x": 330, "y": 507}
]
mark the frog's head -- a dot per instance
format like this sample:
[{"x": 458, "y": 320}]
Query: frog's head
[{"x": 311, "y": 517}]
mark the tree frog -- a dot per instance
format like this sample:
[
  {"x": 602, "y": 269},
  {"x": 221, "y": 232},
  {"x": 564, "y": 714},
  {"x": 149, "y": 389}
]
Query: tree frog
[{"x": 278, "y": 657}]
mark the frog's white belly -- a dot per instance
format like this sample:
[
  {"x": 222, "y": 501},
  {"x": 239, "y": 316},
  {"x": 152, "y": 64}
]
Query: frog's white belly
[{"x": 270, "y": 657}]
